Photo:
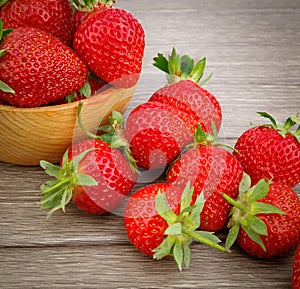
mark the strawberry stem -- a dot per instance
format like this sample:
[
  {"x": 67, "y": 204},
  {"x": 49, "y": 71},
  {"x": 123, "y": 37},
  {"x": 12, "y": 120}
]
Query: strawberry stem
[
  {"x": 203, "y": 240},
  {"x": 58, "y": 185},
  {"x": 113, "y": 135},
  {"x": 234, "y": 203},
  {"x": 82, "y": 127}
]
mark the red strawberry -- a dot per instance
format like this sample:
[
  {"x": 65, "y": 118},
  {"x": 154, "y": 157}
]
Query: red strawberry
[
  {"x": 96, "y": 176},
  {"x": 83, "y": 9},
  {"x": 112, "y": 45},
  {"x": 296, "y": 270},
  {"x": 212, "y": 170},
  {"x": 93, "y": 172},
  {"x": 160, "y": 222},
  {"x": 184, "y": 90},
  {"x": 52, "y": 16},
  {"x": 38, "y": 68},
  {"x": 265, "y": 219},
  {"x": 157, "y": 133},
  {"x": 271, "y": 151},
  {"x": 91, "y": 87}
]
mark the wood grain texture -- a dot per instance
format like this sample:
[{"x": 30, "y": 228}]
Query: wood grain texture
[
  {"x": 253, "y": 50},
  {"x": 29, "y": 135}
]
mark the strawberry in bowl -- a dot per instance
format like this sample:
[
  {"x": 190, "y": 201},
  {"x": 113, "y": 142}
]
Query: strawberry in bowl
[{"x": 39, "y": 76}]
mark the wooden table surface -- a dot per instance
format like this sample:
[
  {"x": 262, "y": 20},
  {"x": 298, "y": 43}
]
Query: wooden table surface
[{"x": 253, "y": 50}]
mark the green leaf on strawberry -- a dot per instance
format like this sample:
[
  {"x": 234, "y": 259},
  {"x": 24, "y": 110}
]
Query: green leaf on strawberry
[
  {"x": 181, "y": 229},
  {"x": 275, "y": 153},
  {"x": 286, "y": 127},
  {"x": 181, "y": 67},
  {"x": 2, "y": 2},
  {"x": 113, "y": 135},
  {"x": 58, "y": 193},
  {"x": 204, "y": 138},
  {"x": 83, "y": 91},
  {"x": 162, "y": 63},
  {"x": 4, "y": 87},
  {"x": 244, "y": 211}
]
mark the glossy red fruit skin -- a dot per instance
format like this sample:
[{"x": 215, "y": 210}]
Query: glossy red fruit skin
[
  {"x": 112, "y": 172},
  {"x": 283, "y": 230},
  {"x": 157, "y": 133},
  {"x": 112, "y": 45},
  {"x": 80, "y": 16},
  {"x": 189, "y": 96},
  {"x": 52, "y": 16},
  {"x": 264, "y": 153},
  {"x": 144, "y": 226},
  {"x": 296, "y": 269},
  {"x": 39, "y": 68},
  {"x": 212, "y": 171}
]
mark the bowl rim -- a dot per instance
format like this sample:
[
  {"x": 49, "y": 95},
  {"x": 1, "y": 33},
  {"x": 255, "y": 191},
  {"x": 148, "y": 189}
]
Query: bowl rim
[{"x": 55, "y": 107}]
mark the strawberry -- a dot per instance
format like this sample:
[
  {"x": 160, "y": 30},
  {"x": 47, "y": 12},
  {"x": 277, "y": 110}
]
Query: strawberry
[
  {"x": 160, "y": 222},
  {"x": 112, "y": 45},
  {"x": 83, "y": 9},
  {"x": 95, "y": 176},
  {"x": 296, "y": 270},
  {"x": 184, "y": 90},
  {"x": 2, "y": 102},
  {"x": 265, "y": 219},
  {"x": 157, "y": 133},
  {"x": 93, "y": 86},
  {"x": 52, "y": 16},
  {"x": 93, "y": 173},
  {"x": 212, "y": 170},
  {"x": 38, "y": 68},
  {"x": 271, "y": 151}
]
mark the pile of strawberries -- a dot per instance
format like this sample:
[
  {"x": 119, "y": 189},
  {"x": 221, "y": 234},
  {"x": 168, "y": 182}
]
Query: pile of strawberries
[
  {"x": 55, "y": 51},
  {"x": 205, "y": 186}
]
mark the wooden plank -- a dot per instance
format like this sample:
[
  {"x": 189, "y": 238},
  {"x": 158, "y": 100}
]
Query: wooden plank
[{"x": 106, "y": 266}]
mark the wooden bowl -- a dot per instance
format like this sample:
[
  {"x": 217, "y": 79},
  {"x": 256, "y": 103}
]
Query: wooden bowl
[{"x": 28, "y": 135}]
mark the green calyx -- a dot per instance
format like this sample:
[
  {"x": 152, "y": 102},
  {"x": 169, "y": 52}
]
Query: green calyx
[
  {"x": 56, "y": 194},
  {"x": 244, "y": 211},
  {"x": 286, "y": 127},
  {"x": 182, "y": 228},
  {"x": 90, "y": 5},
  {"x": 2, "y": 2},
  {"x": 112, "y": 134},
  {"x": 181, "y": 67},
  {"x": 3, "y": 33},
  {"x": 83, "y": 91},
  {"x": 203, "y": 138}
]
